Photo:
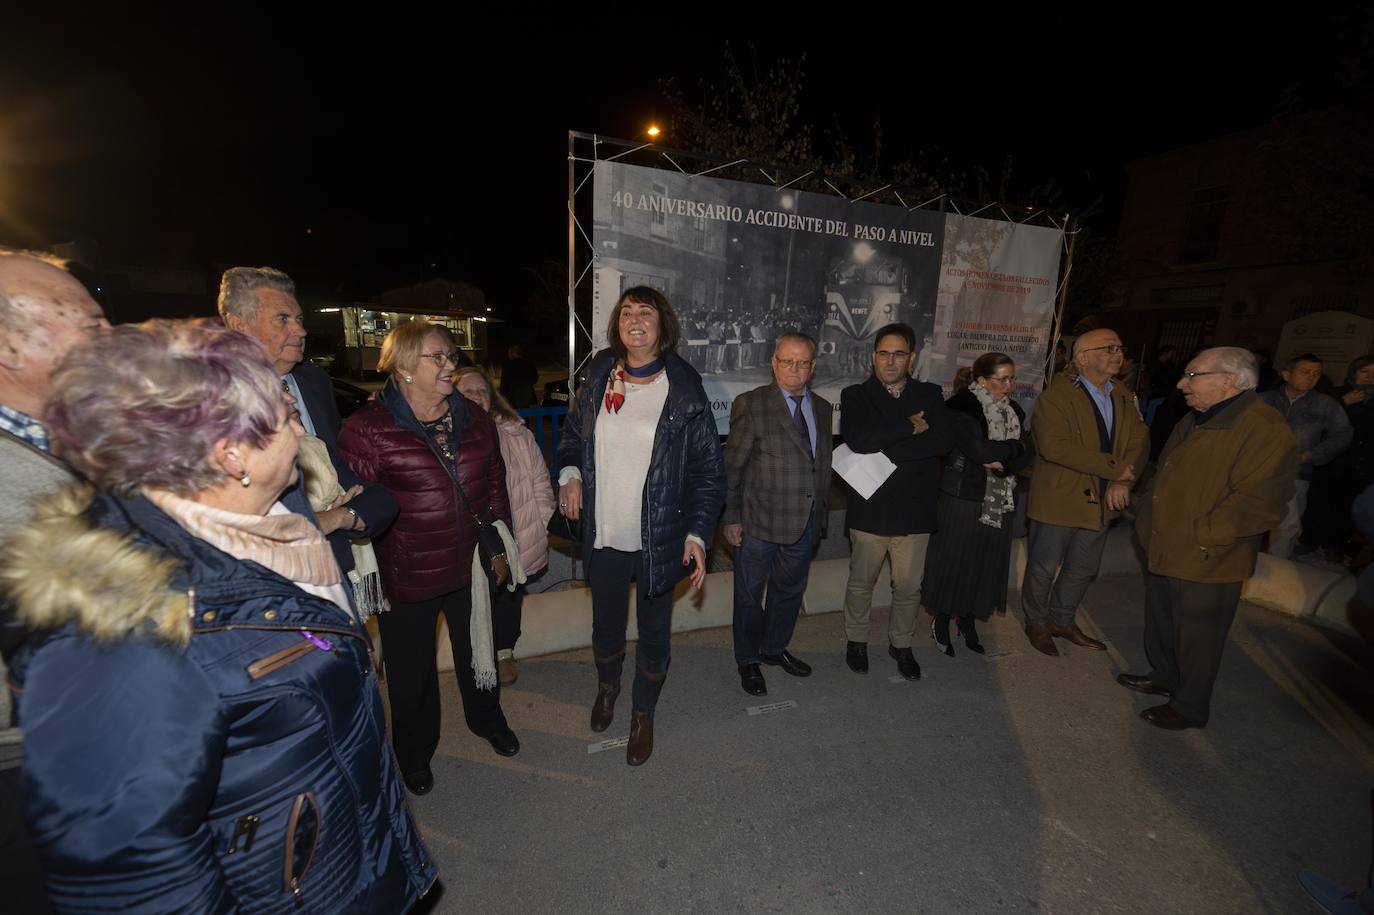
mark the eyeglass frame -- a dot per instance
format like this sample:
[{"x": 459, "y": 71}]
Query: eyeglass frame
[
  {"x": 1192, "y": 375},
  {"x": 449, "y": 355},
  {"x": 804, "y": 364},
  {"x": 1111, "y": 348}
]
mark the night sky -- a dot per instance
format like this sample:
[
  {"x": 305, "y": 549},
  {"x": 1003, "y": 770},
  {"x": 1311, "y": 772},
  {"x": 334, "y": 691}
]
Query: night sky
[{"x": 357, "y": 152}]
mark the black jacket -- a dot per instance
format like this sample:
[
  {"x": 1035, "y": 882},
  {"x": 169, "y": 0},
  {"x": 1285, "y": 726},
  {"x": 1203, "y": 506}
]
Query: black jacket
[
  {"x": 873, "y": 420},
  {"x": 964, "y": 476},
  {"x": 685, "y": 488}
]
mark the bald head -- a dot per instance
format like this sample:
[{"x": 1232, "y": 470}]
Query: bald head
[
  {"x": 1097, "y": 355},
  {"x": 44, "y": 312}
]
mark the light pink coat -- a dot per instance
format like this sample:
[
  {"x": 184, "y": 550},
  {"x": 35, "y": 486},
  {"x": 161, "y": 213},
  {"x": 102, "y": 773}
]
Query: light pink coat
[{"x": 531, "y": 494}]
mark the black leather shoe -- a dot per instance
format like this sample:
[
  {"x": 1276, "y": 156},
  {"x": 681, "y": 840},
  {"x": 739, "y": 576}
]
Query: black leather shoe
[
  {"x": 1168, "y": 718},
  {"x": 906, "y": 664},
  {"x": 751, "y": 679},
  {"x": 421, "y": 782},
  {"x": 793, "y": 666},
  {"x": 1141, "y": 683},
  {"x": 856, "y": 656},
  {"x": 504, "y": 742}
]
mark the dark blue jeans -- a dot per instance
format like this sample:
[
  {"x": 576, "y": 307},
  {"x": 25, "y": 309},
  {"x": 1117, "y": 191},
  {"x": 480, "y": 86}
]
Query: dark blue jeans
[
  {"x": 766, "y": 628},
  {"x": 610, "y": 572}
]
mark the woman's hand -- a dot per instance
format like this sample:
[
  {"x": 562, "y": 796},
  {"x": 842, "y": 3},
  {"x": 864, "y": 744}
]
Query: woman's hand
[
  {"x": 570, "y": 499},
  {"x": 500, "y": 567},
  {"x": 692, "y": 551},
  {"x": 336, "y": 517},
  {"x": 994, "y": 465},
  {"x": 1353, "y": 396}
]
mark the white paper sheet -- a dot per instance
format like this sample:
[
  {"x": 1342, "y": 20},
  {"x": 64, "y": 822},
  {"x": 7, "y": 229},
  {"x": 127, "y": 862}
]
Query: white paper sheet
[{"x": 864, "y": 472}]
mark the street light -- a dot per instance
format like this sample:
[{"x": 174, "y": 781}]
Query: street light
[{"x": 653, "y": 131}]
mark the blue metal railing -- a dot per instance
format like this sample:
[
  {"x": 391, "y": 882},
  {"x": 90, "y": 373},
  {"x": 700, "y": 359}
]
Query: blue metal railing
[{"x": 546, "y": 423}]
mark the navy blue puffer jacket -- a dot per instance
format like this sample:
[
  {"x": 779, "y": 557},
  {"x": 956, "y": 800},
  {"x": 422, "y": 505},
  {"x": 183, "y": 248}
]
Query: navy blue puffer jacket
[
  {"x": 187, "y": 747},
  {"x": 685, "y": 489}
]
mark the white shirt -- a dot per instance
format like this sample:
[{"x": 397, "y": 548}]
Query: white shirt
[{"x": 624, "y": 448}]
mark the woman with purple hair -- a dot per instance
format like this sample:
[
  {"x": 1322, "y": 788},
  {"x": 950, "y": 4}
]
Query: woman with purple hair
[{"x": 203, "y": 731}]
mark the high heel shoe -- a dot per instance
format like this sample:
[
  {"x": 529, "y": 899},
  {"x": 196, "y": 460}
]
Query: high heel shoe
[
  {"x": 939, "y": 631},
  {"x": 969, "y": 630}
]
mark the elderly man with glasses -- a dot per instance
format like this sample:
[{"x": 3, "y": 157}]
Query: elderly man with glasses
[
  {"x": 1224, "y": 479},
  {"x": 777, "y": 473},
  {"x": 1091, "y": 446}
]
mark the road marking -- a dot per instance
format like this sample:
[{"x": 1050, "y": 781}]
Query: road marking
[
  {"x": 1001, "y": 653},
  {"x": 608, "y": 744},
  {"x": 771, "y": 707}
]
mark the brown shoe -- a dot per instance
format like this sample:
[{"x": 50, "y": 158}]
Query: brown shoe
[
  {"x": 641, "y": 745},
  {"x": 603, "y": 709},
  {"x": 1040, "y": 638},
  {"x": 1077, "y": 636},
  {"x": 507, "y": 672}
]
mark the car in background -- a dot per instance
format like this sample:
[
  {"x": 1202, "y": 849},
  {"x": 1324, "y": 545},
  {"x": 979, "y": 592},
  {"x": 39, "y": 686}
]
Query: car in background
[{"x": 348, "y": 397}]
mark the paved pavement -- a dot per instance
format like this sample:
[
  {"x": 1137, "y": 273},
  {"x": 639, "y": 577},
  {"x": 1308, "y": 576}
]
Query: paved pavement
[{"x": 1006, "y": 783}]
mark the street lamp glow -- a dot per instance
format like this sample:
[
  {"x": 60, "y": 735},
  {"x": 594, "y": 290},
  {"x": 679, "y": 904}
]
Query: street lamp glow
[{"x": 653, "y": 131}]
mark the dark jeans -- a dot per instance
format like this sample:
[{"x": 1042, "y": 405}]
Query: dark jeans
[
  {"x": 610, "y": 572},
  {"x": 765, "y": 629},
  {"x": 412, "y": 673},
  {"x": 1045, "y": 599},
  {"x": 1185, "y": 631},
  {"x": 505, "y": 616}
]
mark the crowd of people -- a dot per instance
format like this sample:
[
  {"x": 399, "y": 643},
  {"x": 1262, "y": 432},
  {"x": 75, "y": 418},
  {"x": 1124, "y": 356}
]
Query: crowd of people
[{"x": 187, "y": 516}]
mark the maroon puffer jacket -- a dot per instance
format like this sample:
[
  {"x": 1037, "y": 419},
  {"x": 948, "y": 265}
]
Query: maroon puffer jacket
[{"x": 428, "y": 550}]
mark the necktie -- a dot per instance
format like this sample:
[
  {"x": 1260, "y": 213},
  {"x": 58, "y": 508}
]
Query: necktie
[{"x": 799, "y": 420}]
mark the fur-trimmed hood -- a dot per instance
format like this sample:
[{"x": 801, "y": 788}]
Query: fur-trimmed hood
[{"x": 62, "y": 569}]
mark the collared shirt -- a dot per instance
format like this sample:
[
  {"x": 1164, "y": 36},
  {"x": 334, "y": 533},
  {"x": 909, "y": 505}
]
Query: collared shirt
[
  {"x": 808, "y": 413},
  {"x": 895, "y": 389},
  {"x": 295, "y": 390},
  {"x": 1104, "y": 403},
  {"x": 24, "y": 427}
]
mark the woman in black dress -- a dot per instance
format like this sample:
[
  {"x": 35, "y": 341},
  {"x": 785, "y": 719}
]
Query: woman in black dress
[{"x": 969, "y": 555}]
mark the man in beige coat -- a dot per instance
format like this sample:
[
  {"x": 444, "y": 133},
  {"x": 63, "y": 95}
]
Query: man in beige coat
[
  {"x": 1091, "y": 446},
  {"x": 1225, "y": 478}
]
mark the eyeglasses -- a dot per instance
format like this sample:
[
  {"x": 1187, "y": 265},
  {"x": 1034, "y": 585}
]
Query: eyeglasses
[
  {"x": 444, "y": 355},
  {"x": 1005, "y": 378},
  {"x": 1200, "y": 374},
  {"x": 885, "y": 355},
  {"x": 1111, "y": 348},
  {"x": 795, "y": 364}
]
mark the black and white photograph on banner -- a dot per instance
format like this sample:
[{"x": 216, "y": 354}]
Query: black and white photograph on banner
[{"x": 742, "y": 263}]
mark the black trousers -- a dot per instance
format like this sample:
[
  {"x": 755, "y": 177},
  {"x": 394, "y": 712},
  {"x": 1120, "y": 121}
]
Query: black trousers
[
  {"x": 412, "y": 675},
  {"x": 610, "y": 572},
  {"x": 505, "y": 616},
  {"x": 21, "y": 874},
  {"x": 1185, "y": 631}
]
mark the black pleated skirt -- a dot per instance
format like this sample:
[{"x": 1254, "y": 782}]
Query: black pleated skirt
[{"x": 967, "y": 562}]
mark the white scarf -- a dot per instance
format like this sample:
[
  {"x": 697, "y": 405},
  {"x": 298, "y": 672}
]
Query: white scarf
[
  {"x": 1003, "y": 426},
  {"x": 479, "y": 630}
]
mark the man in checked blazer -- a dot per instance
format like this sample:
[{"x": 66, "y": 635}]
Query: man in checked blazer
[{"x": 777, "y": 471}]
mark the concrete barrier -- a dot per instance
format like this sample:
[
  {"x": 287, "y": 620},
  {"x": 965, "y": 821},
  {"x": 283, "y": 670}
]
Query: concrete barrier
[{"x": 562, "y": 620}]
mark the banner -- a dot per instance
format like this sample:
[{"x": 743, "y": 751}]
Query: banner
[{"x": 742, "y": 263}]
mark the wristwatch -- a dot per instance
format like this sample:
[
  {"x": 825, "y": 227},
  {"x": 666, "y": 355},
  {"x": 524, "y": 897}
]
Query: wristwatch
[{"x": 357, "y": 522}]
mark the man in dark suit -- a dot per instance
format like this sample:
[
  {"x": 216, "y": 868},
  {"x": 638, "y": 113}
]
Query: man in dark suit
[
  {"x": 261, "y": 302},
  {"x": 907, "y": 421},
  {"x": 777, "y": 472}
]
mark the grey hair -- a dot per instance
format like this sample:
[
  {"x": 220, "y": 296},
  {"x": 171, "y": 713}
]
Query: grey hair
[
  {"x": 9, "y": 314},
  {"x": 1237, "y": 361},
  {"x": 794, "y": 336},
  {"x": 238, "y": 286}
]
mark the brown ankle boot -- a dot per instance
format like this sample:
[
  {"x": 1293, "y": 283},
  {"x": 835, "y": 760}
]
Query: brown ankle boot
[
  {"x": 603, "y": 709},
  {"x": 641, "y": 745}
]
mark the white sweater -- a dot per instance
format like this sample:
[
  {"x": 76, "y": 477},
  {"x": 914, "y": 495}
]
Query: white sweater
[{"x": 624, "y": 447}]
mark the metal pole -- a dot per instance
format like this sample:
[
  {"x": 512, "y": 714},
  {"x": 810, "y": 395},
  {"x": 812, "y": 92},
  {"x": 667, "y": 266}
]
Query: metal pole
[
  {"x": 1063, "y": 298},
  {"x": 572, "y": 266}
]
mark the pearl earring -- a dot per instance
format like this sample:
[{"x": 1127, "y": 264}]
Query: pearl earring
[
  {"x": 246, "y": 480},
  {"x": 409, "y": 379}
]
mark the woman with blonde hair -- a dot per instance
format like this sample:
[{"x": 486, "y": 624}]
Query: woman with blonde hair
[
  {"x": 531, "y": 506},
  {"x": 438, "y": 455}
]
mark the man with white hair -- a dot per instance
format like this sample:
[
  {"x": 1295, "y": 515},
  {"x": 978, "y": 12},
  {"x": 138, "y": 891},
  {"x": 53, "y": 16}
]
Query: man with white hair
[
  {"x": 261, "y": 302},
  {"x": 45, "y": 312},
  {"x": 1225, "y": 478}
]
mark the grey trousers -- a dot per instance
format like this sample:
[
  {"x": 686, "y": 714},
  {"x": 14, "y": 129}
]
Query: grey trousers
[
  {"x": 1045, "y": 600},
  {"x": 1185, "y": 631}
]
